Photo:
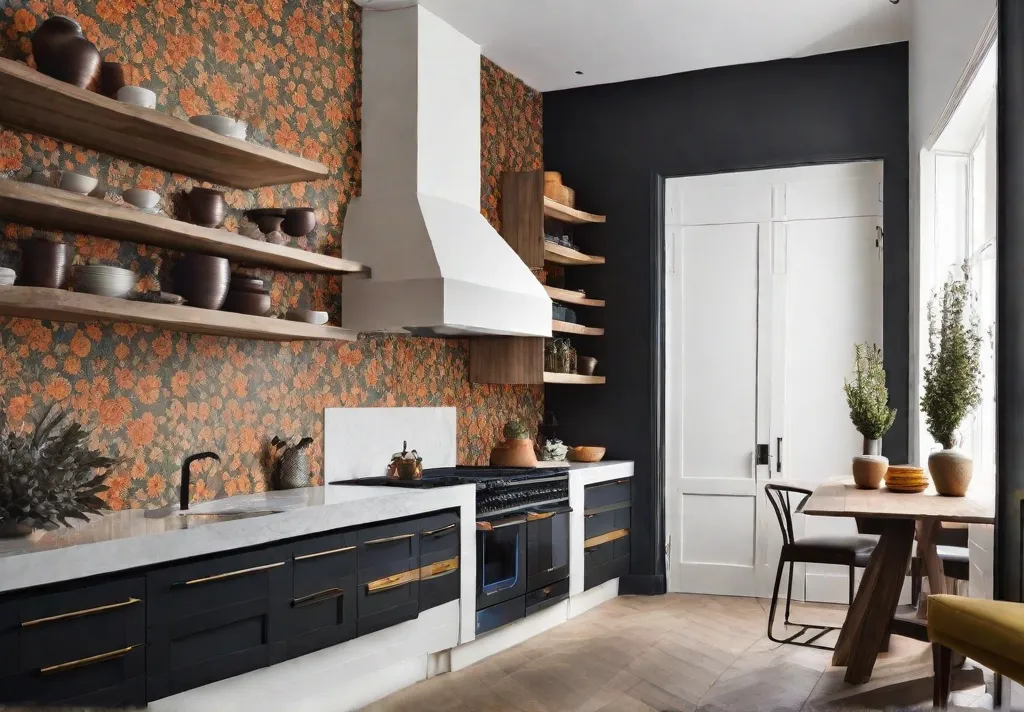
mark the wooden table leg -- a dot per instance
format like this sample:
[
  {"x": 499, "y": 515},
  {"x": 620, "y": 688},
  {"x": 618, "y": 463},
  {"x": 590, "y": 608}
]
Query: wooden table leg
[
  {"x": 927, "y": 532},
  {"x": 873, "y": 607}
]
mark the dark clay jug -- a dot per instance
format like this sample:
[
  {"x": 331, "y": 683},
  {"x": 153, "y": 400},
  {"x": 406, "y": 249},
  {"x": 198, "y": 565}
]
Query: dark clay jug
[{"x": 62, "y": 52}]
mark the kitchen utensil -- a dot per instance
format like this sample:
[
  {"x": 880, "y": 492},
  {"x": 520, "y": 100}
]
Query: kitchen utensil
[
  {"x": 241, "y": 302},
  {"x": 586, "y": 453},
  {"x": 104, "y": 281},
  {"x": 141, "y": 198},
  {"x": 223, "y": 125},
  {"x": 586, "y": 365},
  {"x": 405, "y": 465},
  {"x": 111, "y": 78},
  {"x": 77, "y": 183},
  {"x": 44, "y": 263},
  {"x": 298, "y": 221},
  {"x": 62, "y": 52},
  {"x": 206, "y": 207},
  {"x": 137, "y": 96},
  {"x": 202, "y": 280},
  {"x": 309, "y": 316}
]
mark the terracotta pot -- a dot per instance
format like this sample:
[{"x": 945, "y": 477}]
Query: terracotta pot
[
  {"x": 44, "y": 264},
  {"x": 514, "y": 453},
  {"x": 951, "y": 471},
  {"x": 48, "y": 40},
  {"x": 869, "y": 471}
]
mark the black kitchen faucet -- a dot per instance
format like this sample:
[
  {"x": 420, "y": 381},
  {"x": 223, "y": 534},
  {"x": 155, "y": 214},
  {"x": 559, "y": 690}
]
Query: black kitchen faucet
[{"x": 186, "y": 474}]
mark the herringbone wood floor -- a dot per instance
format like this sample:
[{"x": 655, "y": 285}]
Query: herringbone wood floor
[{"x": 679, "y": 653}]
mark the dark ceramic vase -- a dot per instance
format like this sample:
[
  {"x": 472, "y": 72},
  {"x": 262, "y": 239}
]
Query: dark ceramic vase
[
  {"x": 299, "y": 221},
  {"x": 111, "y": 78},
  {"x": 203, "y": 280},
  {"x": 206, "y": 207},
  {"x": 44, "y": 264},
  {"x": 63, "y": 53},
  {"x": 47, "y": 41}
]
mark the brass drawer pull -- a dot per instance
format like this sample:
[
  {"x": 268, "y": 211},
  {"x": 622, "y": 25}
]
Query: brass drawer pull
[
  {"x": 596, "y": 541},
  {"x": 318, "y": 554},
  {"x": 393, "y": 581},
  {"x": 435, "y": 532},
  {"x": 82, "y": 662},
  {"x": 230, "y": 574},
  {"x": 537, "y": 516},
  {"x": 441, "y": 568},
  {"x": 79, "y": 614},
  {"x": 491, "y": 526},
  {"x": 318, "y": 597},
  {"x": 389, "y": 538}
]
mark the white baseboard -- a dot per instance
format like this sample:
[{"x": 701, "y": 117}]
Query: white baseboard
[
  {"x": 594, "y": 597},
  {"x": 507, "y": 636}
]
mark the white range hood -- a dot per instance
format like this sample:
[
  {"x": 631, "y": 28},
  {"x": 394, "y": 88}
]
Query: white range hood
[{"x": 438, "y": 266}]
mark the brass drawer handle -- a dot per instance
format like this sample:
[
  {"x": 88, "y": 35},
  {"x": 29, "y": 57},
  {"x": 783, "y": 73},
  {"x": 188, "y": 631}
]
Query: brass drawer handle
[
  {"x": 594, "y": 542},
  {"x": 435, "y": 532},
  {"x": 537, "y": 516},
  {"x": 79, "y": 614},
  {"x": 441, "y": 568},
  {"x": 82, "y": 662},
  {"x": 389, "y": 538},
  {"x": 318, "y": 554},
  {"x": 393, "y": 581},
  {"x": 486, "y": 526},
  {"x": 318, "y": 597},
  {"x": 230, "y": 574}
]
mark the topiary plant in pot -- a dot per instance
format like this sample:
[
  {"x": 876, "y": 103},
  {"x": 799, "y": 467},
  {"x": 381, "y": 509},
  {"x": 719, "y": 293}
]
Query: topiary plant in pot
[
  {"x": 49, "y": 476},
  {"x": 952, "y": 381},
  {"x": 868, "y": 399}
]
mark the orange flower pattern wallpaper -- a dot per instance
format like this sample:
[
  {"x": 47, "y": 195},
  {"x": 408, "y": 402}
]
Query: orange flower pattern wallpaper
[{"x": 291, "y": 69}]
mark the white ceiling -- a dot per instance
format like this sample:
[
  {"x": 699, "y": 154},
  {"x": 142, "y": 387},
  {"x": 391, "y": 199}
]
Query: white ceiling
[{"x": 544, "y": 42}]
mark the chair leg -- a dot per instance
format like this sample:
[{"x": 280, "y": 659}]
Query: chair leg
[
  {"x": 942, "y": 662},
  {"x": 851, "y": 585},
  {"x": 789, "y": 591},
  {"x": 775, "y": 600}
]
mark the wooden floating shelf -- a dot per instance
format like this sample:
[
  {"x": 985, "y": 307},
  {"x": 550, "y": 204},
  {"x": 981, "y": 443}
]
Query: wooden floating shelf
[
  {"x": 60, "y": 305},
  {"x": 554, "y": 209},
  {"x": 55, "y": 209},
  {"x": 568, "y": 256},
  {"x": 573, "y": 379},
  {"x": 569, "y": 328},
  {"x": 570, "y": 297},
  {"x": 40, "y": 104}
]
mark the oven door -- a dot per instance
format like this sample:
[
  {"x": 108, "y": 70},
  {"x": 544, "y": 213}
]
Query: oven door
[
  {"x": 500, "y": 559},
  {"x": 547, "y": 545}
]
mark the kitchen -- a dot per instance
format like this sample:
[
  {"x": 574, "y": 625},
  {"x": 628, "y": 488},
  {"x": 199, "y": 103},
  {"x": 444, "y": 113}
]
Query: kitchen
[{"x": 200, "y": 586}]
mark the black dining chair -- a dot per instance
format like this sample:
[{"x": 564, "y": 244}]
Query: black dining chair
[{"x": 851, "y": 551}]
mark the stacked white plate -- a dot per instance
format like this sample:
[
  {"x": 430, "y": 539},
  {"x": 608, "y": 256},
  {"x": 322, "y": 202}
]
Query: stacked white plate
[
  {"x": 104, "y": 281},
  {"x": 7, "y": 276}
]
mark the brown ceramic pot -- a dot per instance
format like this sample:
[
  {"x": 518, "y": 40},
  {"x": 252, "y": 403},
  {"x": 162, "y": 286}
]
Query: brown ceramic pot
[
  {"x": 111, "y": 78},
  {"x": 44, "y": 264},
  {"x": 253, "y": 303},
  {"x": 869, "y": 471},
  {"x": 77, "y": 62},
  {"x": 48, "y": 39},
  {"x": 245, "y": 283},
  {"x": 206, "y": 207},
  {"x": 951, "y": 471},
  {"x": 203, "y": 280},
  {"x": 299, "y": 221},
  {"x": 514, "y": 453}
]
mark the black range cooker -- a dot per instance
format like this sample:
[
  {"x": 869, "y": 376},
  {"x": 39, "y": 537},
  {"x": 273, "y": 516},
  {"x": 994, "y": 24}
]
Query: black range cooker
[{"x": 522, "y": 540}]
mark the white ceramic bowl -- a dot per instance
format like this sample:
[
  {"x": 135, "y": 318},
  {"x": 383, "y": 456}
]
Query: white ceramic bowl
[
  {"x": 104, "y": 281},
  {"x": 137, "y": 96},
  {"x": 223, "y": 125},
  {"x": 77, "y": 183},
  {"x": 319, "y": 318},
  {"x": 141, "y": 198}
]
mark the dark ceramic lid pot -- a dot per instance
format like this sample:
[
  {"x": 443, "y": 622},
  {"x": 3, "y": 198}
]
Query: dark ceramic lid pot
[
  {"x": 247, "y": 303},
  {"x": 299, "y": 221},
  {"x": 206, "y": 207},
  {"x": 47, "y": 40},
  {"x": 44, "y": 264}
]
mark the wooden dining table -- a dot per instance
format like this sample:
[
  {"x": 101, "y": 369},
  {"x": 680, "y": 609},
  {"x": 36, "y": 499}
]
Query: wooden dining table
[{"x": 899, "y": 517}]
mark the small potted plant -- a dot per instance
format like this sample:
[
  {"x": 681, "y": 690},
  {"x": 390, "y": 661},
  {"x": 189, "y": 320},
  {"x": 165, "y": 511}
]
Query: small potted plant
[
  {"x": 516, "y": 450},
  {"x": 868, "y": 399},
  {"x": 49, "y": 476},
  {"x": 952, "y": 381}
]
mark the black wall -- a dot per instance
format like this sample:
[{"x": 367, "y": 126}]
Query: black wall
[{"x": 616, "y": 143}]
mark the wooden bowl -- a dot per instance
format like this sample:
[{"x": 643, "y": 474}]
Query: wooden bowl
[{"x": 586, "y": 453}]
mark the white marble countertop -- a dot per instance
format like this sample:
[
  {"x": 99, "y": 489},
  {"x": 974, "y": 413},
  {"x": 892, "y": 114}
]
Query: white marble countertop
[{"x": 134, "y": 538}]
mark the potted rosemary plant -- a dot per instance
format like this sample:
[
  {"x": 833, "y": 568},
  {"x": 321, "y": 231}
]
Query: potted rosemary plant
[
  {"x": 868, "y": 399},
  {"x": 952, "y": 381}
]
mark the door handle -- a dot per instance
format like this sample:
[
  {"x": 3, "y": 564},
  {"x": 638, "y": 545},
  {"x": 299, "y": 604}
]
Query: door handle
[{"x": 778, "y": 454}]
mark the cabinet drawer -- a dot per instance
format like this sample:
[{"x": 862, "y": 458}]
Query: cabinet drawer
[
  {"x": 109, "y": 678},
  {"x": 596, "y": 575},
  {"x": 487, "y": 619},
  {"x": 548, "y": 596},
  {"x": 389, "y": 575},
  {"x": 606, "y": 493},
  {"x": 387, "y": 543},
  {"x": 601, "y": 520},
  {"x": 440, "y": 547},
  {"x": 440, "y": 535},
  {"x": 602, "y": 549},
  {"x": 51, "y": 629}
]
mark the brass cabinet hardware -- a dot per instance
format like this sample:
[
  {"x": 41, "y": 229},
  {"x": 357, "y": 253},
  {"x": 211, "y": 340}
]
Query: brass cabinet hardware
[
  {"x": 82, "y": 662},
  {"x": 318, "y": 554},
  {"x": 79, "y": 614},
  {"x": 435, "y": 532},
  {"x": 231, "y": 574},
  {"x": 393, "y": 581},
  {"x": 596, "y": 541},
  {"x": 388, "y": 538},
  {"x": 318, "y": 597},
  {"x": 491, "y": 526},
  {"x": 441, "y": 568},
  {"x": 537, "y": 516}
]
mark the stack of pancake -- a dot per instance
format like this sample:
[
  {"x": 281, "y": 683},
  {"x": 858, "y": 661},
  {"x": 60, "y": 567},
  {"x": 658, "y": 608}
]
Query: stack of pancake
[{"x": 906, "y": 479}]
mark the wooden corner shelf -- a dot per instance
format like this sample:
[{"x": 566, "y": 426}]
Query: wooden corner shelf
[
  {"x": 573, "y": 379},
  {"x": 570, "y": 297},
  {"x": 61, "y": 305},
  {"x": 40, "y": 104},
  {"x": 55, "y": 209},
  {"x": 568, "y": 256},
  {"x": 554, "y": 209},
  {"x": 566, "y": 327}
]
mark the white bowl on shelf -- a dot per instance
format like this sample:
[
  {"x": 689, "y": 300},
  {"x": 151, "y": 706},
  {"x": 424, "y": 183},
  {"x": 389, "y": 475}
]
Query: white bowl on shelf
[
  {"x": 104, "y": 281},
  {"x": 77, "y": 183},
  {"x": 7, "y": 276},
  {"x": 141, "y": 198},
  {"x": 137, "y": 96},
  {"x": 223, "y": 125}
]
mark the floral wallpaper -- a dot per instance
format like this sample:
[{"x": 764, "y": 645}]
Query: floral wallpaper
[{"x": 291, "y": 69}]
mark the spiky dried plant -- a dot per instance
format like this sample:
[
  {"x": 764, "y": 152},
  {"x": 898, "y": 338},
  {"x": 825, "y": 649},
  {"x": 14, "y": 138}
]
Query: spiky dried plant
[
  {"x": 51, "y": 475},
  {"x": 867, "y": 395}
]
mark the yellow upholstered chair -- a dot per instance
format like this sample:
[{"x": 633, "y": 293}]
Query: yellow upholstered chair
[{"x": 990, "y": 632}]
